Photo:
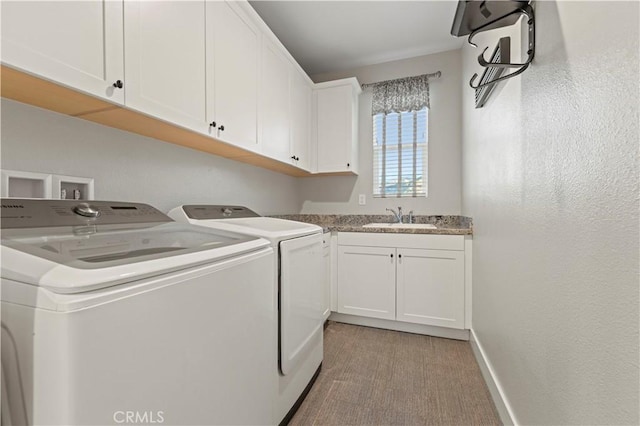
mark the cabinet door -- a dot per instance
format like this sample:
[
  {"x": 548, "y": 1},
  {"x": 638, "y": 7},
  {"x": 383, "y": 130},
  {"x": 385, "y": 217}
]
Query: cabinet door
[
  {"x": 165, "y": 61},
  {"x": 78, "y": 44},
  {"x": 366, "y": 281},
  {"x": 326, "y": 255},
  {"x": 430, "y": 287},
  {"x": 334, "y": 128},
  {"x": 233, "y": 44},
  {"x": 300, "y": 120},
  {"x": 274, "y": 115}
]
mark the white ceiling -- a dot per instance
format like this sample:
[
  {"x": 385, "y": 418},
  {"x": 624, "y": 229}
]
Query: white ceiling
[{"x": 327, "y": 36}]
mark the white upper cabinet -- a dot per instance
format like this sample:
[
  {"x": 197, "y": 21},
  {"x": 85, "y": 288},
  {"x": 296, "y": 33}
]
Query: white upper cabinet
[
  {"x": 165, "y": 61},
  {"x": 275, "y": 116},
  {"x": 209, "y": 66},
  {"x": 233, "y": 46},
  {"x": 336, "y": 125},
  {"x": 194, "y": 64},
  {"x": 300, "y": 99},
  {"x": 77, "y": 44}
]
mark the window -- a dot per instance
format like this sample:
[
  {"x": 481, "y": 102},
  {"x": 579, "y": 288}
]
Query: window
[
  {"x": 400, "y": 154},
  {"x": 400, "y": 112}
]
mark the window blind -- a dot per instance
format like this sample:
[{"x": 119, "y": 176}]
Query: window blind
[{"x": 400, "y": 154}]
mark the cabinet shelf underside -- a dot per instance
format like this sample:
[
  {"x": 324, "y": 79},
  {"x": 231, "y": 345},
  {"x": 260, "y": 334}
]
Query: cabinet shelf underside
[{"x": 28, "y": 89}]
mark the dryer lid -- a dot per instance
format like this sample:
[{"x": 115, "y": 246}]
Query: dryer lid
[
  {"x": 243, "y": 220},
  {"x": 210, "y": 211}
]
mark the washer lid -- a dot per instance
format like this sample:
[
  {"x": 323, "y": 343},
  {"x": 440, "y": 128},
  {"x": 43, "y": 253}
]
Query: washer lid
[{"x": 74, "y": 259}]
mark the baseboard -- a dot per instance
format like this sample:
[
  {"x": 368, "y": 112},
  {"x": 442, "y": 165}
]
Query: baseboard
[
  {"x": 497, "y": 393},
  {"x": 429, "y": 330}
]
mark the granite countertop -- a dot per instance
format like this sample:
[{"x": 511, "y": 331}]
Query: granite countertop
[{"x": 445, "y": 225}]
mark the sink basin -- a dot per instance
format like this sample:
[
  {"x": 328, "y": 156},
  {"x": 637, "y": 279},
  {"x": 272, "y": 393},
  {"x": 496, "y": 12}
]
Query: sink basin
[
  {"x": 400, "y": 225},
  {"x": 414, "y": 225}
]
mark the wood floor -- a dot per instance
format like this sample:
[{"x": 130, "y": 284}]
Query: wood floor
[{"x": 380, "y": 377}]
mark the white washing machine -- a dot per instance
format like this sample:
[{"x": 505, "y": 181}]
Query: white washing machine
[
  {"x": 299, "y": 275},
  {"x": 112, "y": 313}
]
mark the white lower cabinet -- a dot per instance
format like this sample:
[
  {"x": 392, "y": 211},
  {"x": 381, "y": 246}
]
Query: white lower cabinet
[
  {"x": 326, "y": 257},
  {"x": 390, "y": 277},
  {"x": 430, "y": 287},
  {"x": 367, "y": 281}
]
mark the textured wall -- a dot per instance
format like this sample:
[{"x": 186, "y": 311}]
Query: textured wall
[
  {"x": 340, "y": 194},
  {"x": 550, "y": 177},
  {"x": 128, "y": 167}
]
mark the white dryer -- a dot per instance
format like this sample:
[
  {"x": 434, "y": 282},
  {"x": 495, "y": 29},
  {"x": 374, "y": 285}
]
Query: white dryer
[
  {"x": 112, "y": 313},
  {"x": 299, "y": 274}
]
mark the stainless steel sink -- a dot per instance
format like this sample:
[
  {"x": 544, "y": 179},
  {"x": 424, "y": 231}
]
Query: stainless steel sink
[{"x": 400, "y": 225}]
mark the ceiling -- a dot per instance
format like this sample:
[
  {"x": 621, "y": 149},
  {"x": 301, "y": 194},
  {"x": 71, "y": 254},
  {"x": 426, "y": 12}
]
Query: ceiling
[{"x": 327, "y": 36}]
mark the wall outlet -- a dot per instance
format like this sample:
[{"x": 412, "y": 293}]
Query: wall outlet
[{"x": 362, "y": 199}]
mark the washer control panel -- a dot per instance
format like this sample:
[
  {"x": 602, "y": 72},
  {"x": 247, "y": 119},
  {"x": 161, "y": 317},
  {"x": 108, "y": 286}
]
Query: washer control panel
[{"x": 35, "y": 213}]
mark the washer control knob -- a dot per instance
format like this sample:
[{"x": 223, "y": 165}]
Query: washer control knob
[{"x": 86, "y": 210}]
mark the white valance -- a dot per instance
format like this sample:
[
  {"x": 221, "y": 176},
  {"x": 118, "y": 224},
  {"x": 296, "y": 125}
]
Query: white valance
[{"x": 401, "y": 95}]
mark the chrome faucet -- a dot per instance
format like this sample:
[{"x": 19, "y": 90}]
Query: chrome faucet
[{"x": 398, "y": 216}]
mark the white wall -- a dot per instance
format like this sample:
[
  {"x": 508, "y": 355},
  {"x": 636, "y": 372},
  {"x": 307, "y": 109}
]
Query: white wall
[
  {"x": 550, "y": 177},
  {"x": 128, "y": 167},
  {"x": 340, "y": 194}
]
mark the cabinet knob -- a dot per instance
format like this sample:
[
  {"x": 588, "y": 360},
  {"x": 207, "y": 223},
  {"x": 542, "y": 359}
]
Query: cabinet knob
[
  {"x": 293, "y": 157},
  {"x": 221, "y": 128},
  {"x": 212, "y": 124},
  {"x": 297, "y": 158},
  {"x": 391, "y": 255},
  {"x": 399, "y": 256},
  {"x": 118, "y": 84},
  {"x": 348, "y": 164}
]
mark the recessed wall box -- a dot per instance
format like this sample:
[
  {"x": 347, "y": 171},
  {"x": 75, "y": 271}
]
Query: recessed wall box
[
  {"x": 19, "y": 184},
  {"x": 73, "y": 187}
]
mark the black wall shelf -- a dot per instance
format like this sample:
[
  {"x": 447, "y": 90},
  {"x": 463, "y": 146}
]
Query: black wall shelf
[
  {"x": 473, "y": 17},
  {"x": 473, "y": 14}
]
